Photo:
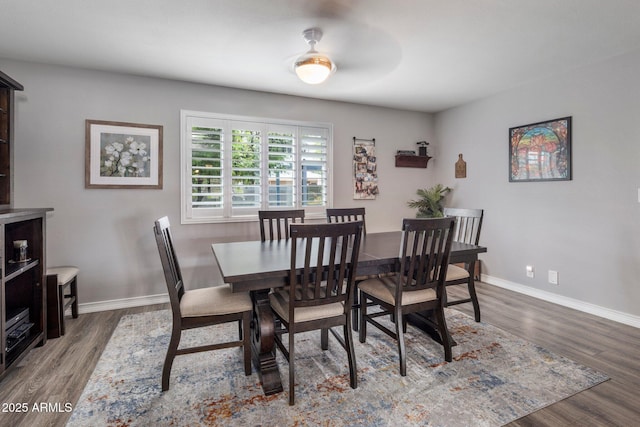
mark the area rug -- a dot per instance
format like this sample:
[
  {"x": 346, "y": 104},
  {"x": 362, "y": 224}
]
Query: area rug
[{"x": 494, "y": 378}]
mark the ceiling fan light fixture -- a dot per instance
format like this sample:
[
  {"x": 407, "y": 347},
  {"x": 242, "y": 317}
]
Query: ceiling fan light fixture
[{"x": 313, "y": 67}]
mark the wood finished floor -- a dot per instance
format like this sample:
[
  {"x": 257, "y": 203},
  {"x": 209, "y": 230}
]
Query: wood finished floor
[{"x": 58, "y": 371}]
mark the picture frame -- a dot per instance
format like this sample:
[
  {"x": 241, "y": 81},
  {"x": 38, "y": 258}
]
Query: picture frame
[
  {"x": 123, "y": 155},
  {"x": 540, "y": 151}
]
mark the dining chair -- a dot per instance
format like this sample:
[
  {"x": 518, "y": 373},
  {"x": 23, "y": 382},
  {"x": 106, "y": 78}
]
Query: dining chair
[
  {"x": 467, "y": 230},
  {"x": 336, "y": 215},
  {"x": 347, "y": 214},
  {"x": 319, "y": 291},
  {"x": 416, "y": 287},
  {"x": 199, "y": 307},
  {"x": 277, "y": 223}
]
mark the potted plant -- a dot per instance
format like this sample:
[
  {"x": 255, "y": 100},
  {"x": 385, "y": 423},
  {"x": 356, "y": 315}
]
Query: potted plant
[{"x": 430, "y": 203}]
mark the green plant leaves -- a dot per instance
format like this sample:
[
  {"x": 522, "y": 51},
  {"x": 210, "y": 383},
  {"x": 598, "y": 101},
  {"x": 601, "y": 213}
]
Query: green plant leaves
[{"x": 430, "y": 202}]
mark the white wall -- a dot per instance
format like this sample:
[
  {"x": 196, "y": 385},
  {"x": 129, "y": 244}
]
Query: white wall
[
  {"x": 587, "y": 229},
  {"x": 108, "y": 233}
]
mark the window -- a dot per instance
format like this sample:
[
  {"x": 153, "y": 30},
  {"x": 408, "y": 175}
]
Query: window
[{"x": 234, "y": 166}]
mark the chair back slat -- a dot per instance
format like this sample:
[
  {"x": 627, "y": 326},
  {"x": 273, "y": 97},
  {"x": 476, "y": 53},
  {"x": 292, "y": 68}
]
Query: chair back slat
[
  {"x": 277, "y": 223},
  {"x": 336, "y": 215},
  {"x": 169, "y": 260},
  {"x": 468, "y": 224},
  {"x": 424, "y": 254},
  {"x": 329, "y": 254}
]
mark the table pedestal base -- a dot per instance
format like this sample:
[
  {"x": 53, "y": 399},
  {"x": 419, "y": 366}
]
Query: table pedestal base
[
  {"x": 263, "y": 343},
  {"x": 427, "y": 323}
]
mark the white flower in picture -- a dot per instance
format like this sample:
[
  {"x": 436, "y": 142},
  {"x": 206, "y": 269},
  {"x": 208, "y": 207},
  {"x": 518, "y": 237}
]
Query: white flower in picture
[{"x": 124, "y": 155}]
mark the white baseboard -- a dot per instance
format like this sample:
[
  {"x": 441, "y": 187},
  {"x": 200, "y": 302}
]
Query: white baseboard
[
  {"x": 616, "y": 316},
  {"x": 115, "y": 304}
]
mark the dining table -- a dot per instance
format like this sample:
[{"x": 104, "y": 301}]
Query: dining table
[{"x": 259, "y": 266}]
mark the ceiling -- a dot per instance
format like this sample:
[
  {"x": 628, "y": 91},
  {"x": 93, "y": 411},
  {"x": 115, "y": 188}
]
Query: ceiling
[{"x": 423, "y": 55}]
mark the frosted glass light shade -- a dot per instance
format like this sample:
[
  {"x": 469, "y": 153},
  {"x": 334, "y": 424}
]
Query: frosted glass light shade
[{"x": 314, "y": 68}]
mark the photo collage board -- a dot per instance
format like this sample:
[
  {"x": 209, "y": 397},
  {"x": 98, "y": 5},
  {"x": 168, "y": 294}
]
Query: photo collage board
[{"x": 365, "y": 174}]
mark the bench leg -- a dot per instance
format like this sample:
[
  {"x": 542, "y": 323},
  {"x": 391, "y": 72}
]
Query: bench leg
[
  {"x": 53, "y": 307},
  {"x": 74, "y": 295},
  {"x": 61, "y": 309}
]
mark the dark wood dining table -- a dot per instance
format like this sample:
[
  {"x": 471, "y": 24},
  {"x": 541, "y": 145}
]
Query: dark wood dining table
[{"x": 257, "y": 267}]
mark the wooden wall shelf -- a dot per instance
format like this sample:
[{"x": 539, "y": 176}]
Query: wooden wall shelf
[{"x": 403, "y": 161}]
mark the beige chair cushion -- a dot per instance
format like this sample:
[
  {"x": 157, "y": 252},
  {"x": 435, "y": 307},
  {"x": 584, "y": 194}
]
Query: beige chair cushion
[
  {"x": 456, "y": 273},
  {"x": 384, "y": 289},
  {"x": 65, "y": 274},
  {"x": 215, "y": 300},
  {"x": 280, "y": 304}
]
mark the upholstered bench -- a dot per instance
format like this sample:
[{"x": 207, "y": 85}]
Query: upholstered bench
[{"x": 62, "y": 292}]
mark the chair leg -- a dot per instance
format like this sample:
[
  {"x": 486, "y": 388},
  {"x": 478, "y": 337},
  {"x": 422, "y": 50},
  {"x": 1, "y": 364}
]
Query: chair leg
[
  {"x": 292, "y": 400},
  {"x": 474, "y": 298},
  {"x": 355, "y": 310},
  {"x": 362, "y": 333},
  {"x": 351, "y": 355},
  {"x": 324, "y": 338},
  {"x": 399, "y": 320},
  {"x": 444, "y": 334},
  {"x": 444, "y": 296},
  {"x": 171, "y": 354},
  {"x": 246, "y": 341}
]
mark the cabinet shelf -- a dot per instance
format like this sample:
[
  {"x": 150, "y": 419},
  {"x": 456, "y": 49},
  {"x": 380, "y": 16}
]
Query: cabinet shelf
[
  {"x": 405, "y": 161},
  {"x": 20, "y": 350},
  {"x": 15, "y": 269}
]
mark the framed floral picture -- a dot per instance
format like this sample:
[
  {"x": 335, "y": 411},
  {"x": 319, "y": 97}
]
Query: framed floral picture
[
  {"x": 540, "y": 151},
  {"x": 123, "y": 155}
]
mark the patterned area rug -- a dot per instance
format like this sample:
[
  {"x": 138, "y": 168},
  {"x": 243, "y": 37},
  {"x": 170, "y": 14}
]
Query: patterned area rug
[{"x": 494, "y": 378}]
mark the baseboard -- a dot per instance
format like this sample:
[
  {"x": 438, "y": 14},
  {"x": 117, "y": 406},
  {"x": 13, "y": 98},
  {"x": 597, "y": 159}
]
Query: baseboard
[
  {"x": 616, "y": 316},
  {"x": 115, "y": 304}
]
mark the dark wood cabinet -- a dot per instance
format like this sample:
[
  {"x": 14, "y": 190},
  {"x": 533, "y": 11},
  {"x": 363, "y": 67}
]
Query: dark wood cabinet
[
  {"x": 22, "y": 308},
  {"x": 7, "y": 88},
  {"x": 23, "y": 316}
]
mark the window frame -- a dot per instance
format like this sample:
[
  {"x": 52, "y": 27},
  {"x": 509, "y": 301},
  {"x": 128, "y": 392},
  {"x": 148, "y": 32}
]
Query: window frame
[{"x": 190, "y": 118}]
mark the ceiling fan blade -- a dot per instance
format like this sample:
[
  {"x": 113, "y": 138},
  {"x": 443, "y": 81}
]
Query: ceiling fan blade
[
  {"x": 332, "y": 9},
  {"x": 362, "y": 48}
]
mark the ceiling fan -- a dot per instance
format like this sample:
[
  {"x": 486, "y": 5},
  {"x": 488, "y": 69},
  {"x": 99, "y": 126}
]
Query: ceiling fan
[{"x": 313, "y": 67}]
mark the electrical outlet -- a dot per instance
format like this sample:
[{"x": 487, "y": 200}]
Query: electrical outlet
[
  {"x": 530, "y": 271},
  {"x": 553, "y": 277}
]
